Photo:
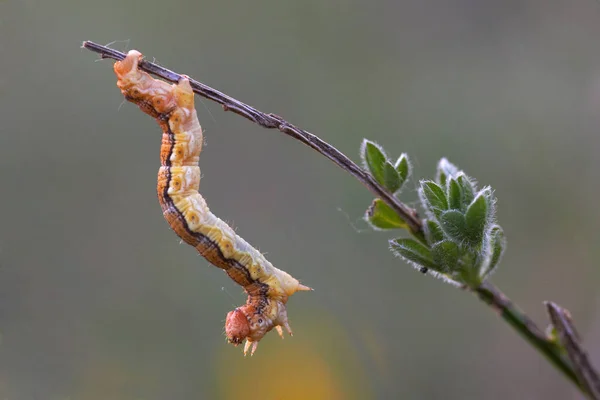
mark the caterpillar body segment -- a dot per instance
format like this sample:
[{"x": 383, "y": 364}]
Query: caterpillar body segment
[{"x": 187, "y": 213}]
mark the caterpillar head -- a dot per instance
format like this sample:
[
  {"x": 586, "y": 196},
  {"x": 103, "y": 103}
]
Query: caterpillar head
[
  {"x": 245, "y": 323},
  {"x": 237, "y": 327}
]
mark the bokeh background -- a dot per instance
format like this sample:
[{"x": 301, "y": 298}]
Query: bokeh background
[{"x": 99, "y": 300}]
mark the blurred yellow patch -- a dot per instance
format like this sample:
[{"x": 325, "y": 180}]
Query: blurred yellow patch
[{"x": 319, "y": 362}]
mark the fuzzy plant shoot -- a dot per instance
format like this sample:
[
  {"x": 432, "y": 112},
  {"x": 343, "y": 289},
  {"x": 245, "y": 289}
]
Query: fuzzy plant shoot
[{"x": 463, "y": 243}]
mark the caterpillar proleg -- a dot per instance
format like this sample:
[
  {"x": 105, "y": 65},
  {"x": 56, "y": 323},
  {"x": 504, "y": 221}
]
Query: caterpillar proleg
[{"x": 185, "y": 210}]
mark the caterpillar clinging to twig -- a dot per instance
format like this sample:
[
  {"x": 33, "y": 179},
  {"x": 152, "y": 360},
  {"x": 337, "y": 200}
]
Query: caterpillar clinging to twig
[{"x": 268, "y": 288}]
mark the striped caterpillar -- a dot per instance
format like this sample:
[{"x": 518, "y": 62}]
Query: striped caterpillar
[{"x": 268, "y": 288}]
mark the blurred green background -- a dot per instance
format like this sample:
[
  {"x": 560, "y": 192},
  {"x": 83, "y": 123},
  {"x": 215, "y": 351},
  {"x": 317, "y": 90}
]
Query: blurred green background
[{"x": 99, "y": 300}]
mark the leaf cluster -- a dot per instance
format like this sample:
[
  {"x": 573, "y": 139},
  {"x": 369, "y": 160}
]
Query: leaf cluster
[{"x": 462, "y": 243}]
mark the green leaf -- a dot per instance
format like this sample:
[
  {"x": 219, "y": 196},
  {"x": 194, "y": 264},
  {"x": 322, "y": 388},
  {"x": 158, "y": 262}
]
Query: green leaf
[
  {"x": 454, "y": 225},
  {"x": 391, "y": 178},
  {"x": 413, "y": 252},
  {"x": 468, "y": 190},
  {"x": 476, "y": 217},
  {"x": 373, "y": 159},
  {"x": 497, "y": 245},
  {"x": 454, "y": 194},
  {"x": 446, "y": 254},
  {"x": 445, "y": 169},
  {"x": 433, "y": 197},
  {"x": 403, "y": 167},
  {"x": 468, "y": 273},
  {"x": 382, "y": 217},
  {"x": 433, "y": 232}
]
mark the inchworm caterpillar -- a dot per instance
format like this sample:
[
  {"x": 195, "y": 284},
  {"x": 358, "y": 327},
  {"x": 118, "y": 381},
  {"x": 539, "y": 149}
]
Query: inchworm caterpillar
[{"x": 268, "y": 288}]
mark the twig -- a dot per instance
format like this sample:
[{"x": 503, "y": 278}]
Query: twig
[
  {"x": 271, "y": 121},
  {"x": 486, "y": 292},
  {"x": 569, "y": 339},
  {"x": 526, "y": 327}
]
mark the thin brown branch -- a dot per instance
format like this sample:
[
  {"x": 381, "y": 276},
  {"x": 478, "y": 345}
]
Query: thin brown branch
[
  {"x": 272, "y": 121},
  {"x": 525, "y": 326},
  {"x": 570, "y": 341}
]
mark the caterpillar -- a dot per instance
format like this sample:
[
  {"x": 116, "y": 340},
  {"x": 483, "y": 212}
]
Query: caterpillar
[{"x": 187, "y": 213}]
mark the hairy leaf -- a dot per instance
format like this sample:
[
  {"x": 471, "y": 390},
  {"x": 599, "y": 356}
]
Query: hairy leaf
[
  {"x": 468, "y": 190},
  {"x": 454, "y": 194},
  {"x": 445, "y": 254},
  {"x": 373, "y": 159},
  {"x": 476, "y": 217},
  {"x": 433, "y": 232},
  {"x": 497, "y": 245},
  {"x": 381, "y": 216},
  {"x": 413, "y": 252},
  {"x": 404, "y": 168},
  {"x": 445, "y": 169},
  {"x": 391, "y": 178},
  {"x": 433, "y": 197},
  {"x": 454, "y": 225}
]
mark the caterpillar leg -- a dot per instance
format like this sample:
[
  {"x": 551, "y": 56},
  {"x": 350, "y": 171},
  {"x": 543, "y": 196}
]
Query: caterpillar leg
[
  {"x": 287, "y": 327},
  {"x": 282, "y": 321},
  {"x": 247, "y": 346},
  {"x": 279, "y": 330}
]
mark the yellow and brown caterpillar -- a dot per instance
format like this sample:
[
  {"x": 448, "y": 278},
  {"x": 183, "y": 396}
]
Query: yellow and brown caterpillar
[{"x": 268, "y": 288}]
